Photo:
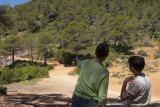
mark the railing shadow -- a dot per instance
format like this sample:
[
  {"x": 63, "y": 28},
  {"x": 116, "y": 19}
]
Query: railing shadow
[
  {"x": 35, "y": 100},
  {"x": 48, "y": 100}
]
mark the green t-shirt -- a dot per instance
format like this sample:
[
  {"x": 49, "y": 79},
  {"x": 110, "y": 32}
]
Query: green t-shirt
[{"x": 92, "y": 82}]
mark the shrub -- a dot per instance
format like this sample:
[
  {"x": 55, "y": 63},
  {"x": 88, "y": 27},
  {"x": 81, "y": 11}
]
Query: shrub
[
  {"x": 157, "y": 55},
  {"x": 50, "y": 66},
  {"x": 65, "y": 57},
  {"x": 107, "y": 63},
  {"x": 142, "y": 52},
  {"x": 7, "y": 76},
  {"x": 59, "y": 55},
  {"x": 116, "y": 75},
  {"x": 20, "y": 74},
  {"x": 125, "y": 63},
  {"x": 148, "y": 44},
  {"x": 24, "y": 63},
  {"x": 3, "y": 90},
  {"x": 76, "y": 71},
  {"x": 17, "y": 73}
]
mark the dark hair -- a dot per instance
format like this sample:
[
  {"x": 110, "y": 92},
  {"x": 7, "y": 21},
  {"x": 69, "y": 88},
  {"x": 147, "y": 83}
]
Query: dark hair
[
  {"x": 137, "y": 63},
  {"x": 102, "y": 50}
]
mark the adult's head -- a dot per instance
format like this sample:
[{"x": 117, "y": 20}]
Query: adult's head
[
  {"x": 137, "y": 63},
  {"x": 102, "y": 51}
]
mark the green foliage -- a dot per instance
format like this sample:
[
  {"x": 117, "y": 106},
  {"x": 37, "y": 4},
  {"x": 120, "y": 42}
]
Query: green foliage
[
  {"x": 23, "y": 71},
  {"x": 144, "y": 44},
  {"x": 125, "y": 63},
  {"x": 130, "y": 74},
  {"x": 157, "y": 54},
  {"x": 157, "y": 35},
  {"x": 11, "y": 45},
  {"x": 107, "y": 63},
  {"x": 50, "y": 66},
  {"x": 75, "y": 37},
  {"x": 116, "y": 75},
  {"x": 3, "y": 90},
  {"x": 150, "y": 69},
  {"x": 76, "y": 26},
  {"x": 5, "y": 20},
  {"x": 24, "y": 63},
  {"x": 75, "y": 72},
  {"x": 45, "y": 45},
  {"x": 6, "y": 75},
  {"x": 30, "y": 44},
  {"x": 64, "y": 57},
  {"x": 142, "y": 52}
]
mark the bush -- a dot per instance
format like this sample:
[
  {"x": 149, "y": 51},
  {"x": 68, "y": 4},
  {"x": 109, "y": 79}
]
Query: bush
[
  {"x": 50, "y": 66},
  {"x": 3, "y": 90},
  {"x": 64, "y": 57},
  {"x": 115, "y": 75},
  {"x": 157, "y": 55},
  {"x": 148, "y": 44},
  {"x": 142, "y": 52},
  {"x": 125, "y": 63},
  {"x": 76, "y": 71},
  {"x": 20, "y": 74},
  {"x": 24, "y": 63},
  {"x": 59, "y": 55},
  {"x": 107, "y": 63},
  {"x": 6, "y": 76}
]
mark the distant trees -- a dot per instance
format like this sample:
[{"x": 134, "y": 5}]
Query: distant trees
[
  {"x": 4, "y": 18},
  {"x": 75, "y": 37},
  {"x": 79, "y": 25},
  {"x": 12, "y": 45},
  {"x": 30, "y": 44},
  {"x": 6, "y": 21},
  {"x": 45, "y": 45}
]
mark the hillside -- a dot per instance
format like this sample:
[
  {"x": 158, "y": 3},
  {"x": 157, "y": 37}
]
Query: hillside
[{"x": 65, "y": 28}]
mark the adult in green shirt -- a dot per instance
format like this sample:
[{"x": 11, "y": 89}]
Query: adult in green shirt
[{"x": 92, "y": 84}]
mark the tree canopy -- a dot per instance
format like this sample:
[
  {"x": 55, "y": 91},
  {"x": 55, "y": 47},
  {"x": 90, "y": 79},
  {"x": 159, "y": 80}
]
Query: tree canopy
[{"x": 79, "y": 25}]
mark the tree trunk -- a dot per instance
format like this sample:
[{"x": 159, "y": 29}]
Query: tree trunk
[
  {"x": 115, "y": 42},
  {"x": 45, "y": 61},
  {"x": 31, "y": 55},
  {"x": 13, "y": 56}
]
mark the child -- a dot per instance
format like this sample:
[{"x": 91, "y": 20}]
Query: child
[{"x": 139, "y": 90}]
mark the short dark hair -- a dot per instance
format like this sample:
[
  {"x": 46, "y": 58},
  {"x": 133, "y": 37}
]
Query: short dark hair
[
  {"x": 102, "y": 50},
  {"x": 137, "y": 63}
]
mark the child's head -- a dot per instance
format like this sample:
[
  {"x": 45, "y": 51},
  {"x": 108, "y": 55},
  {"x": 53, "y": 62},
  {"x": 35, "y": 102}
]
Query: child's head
[
  {"x": 137, "y": 63},
  {"x": 102, "y": 51}
]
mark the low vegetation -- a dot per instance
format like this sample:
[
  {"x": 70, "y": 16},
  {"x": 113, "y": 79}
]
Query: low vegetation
[
  {"x": 23, "y": 70},
  {"x": 3, "y": 90},
  {"x": 142, "y": 53},
  {"x": 75, "y": 72},
  {"x": 157, "y": 55}
]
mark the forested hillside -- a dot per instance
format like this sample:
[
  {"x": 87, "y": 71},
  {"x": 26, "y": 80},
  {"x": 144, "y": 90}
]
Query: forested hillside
[{"x": 63, "y": 28}]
